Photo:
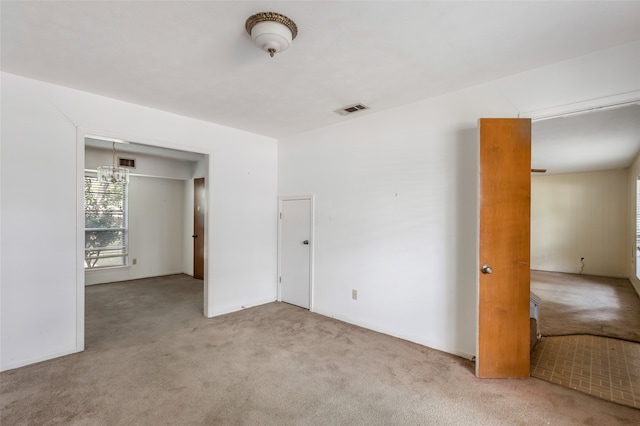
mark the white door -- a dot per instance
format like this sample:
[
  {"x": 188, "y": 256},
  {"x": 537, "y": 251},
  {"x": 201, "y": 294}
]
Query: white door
[{"x": 295, "y": 251}]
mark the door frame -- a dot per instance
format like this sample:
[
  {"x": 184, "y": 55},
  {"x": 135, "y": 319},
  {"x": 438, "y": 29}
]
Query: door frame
[
  {"x": 311, "y": 199},
  {"x": 81, "y": 134}
]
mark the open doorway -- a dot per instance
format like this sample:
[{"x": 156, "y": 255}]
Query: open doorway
[
  {"x": 142, "y": 235},
  {"x": 581, "y": 219},
  {"x": 583, "y": 245}
]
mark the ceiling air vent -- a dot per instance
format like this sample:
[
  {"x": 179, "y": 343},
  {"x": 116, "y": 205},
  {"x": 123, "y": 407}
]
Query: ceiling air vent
[
  {"x": 351, "y": 109},
  {"x": 129, "y": 163}
]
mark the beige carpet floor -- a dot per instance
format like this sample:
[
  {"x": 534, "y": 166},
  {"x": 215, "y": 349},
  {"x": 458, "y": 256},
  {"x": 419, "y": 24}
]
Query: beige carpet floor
[
  {"x": 152, "y": 359},
  {"x": 582, "y": 304}
]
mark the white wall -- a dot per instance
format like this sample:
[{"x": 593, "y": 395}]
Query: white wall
[
  {"x": 157, "y": 212},
  {"x": 630, "y": 252},
  {"x": 396, "y": 198},
  {"x": 396, "y": 211},
  {"x": 38, "y": 318},
  {"x": 578, "y": 215},
  {"x": 187, "y": 231},
  {"x": 412, "y": 256},
  {"x": 156, "y": 224},
  {"x": 146, "y": 165},
  {"x": 39, "y": 145}
]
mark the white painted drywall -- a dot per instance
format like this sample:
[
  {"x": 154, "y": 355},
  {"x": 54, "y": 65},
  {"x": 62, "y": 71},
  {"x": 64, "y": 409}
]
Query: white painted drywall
[
  {"x": 412, "y": 257},
  {"x": 39, "y": 146},
  {"x": 631, "y": 247},
  {"x": 577, "y": 215},
  {"x": 156, "y": 224},
  {"x": 396, "y": 198},
  {"x": 396, "y": 217},
  {"x": 146, "y": 165},
  {"x": 187, "y": 231},
  {"x": 38, "y": 191},
  {"x": 156, "y": 215}
]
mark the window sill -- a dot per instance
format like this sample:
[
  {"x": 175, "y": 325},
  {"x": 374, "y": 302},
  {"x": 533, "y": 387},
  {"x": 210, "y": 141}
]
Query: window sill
[{"x": 107, "y": 268}]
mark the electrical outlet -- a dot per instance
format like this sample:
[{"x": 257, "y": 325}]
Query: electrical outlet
[
  {"x": 134, "y": 261},
  {"x": 354, "y": 294}
]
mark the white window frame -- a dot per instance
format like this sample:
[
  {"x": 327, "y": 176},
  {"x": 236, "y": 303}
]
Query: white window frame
[{"x": 125, "y": 228}]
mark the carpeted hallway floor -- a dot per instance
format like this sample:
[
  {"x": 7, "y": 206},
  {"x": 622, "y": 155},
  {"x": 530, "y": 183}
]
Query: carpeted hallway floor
[{"x": 152, "y": 359}]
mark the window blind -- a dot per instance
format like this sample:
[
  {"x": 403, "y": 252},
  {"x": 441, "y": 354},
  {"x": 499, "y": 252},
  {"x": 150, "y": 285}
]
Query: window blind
[{"x": 105, "y": 212}]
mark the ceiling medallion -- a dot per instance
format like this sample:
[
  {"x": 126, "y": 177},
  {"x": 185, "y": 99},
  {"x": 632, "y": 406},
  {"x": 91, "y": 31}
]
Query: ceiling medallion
[{"x": 271, "y": 31}]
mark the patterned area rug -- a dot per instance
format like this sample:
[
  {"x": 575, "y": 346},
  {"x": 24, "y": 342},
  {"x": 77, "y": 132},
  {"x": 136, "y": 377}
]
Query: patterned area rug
[{"x": 600, "y": 366}]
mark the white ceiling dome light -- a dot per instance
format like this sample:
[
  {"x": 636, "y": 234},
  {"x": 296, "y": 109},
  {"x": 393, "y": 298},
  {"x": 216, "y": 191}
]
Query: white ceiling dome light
[{"x": 271, "y": 31}]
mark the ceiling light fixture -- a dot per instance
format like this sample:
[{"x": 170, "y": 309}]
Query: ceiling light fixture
[
  {"x": 271, "y": 31},
  {"x": 113, "y": 174}
]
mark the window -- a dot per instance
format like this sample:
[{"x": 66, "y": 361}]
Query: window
[{"x": 105, "y": 224}]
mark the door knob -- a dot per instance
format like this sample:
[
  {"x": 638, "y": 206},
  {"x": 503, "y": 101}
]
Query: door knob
[
  {"x": 305, "y": 242},
  {"x": 194, "y": 236},
  {"x": 486, "y": 269}
]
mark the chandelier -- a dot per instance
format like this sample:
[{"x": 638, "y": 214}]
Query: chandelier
[{"x": 113, "y": 174}]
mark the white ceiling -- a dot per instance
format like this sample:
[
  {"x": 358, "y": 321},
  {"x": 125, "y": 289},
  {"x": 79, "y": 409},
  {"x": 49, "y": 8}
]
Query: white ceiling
[
  {"x": 195, "y": 58},
  {"x": 603, "y": 140}
]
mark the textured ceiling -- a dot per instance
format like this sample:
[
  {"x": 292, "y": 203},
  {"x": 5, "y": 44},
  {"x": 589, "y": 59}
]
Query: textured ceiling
[{"x": 195, "y": 58}]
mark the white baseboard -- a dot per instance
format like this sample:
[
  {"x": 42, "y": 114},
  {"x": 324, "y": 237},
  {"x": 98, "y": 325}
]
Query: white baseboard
[
  {"x": 409, "y": 338},
  {"x": 35, "y": 360},
  {"x": 235, "y": 308}
]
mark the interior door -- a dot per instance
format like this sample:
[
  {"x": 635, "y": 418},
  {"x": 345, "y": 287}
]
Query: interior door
[
  {"x": 504, "y": 278},
  {"x": 198, "y": 227},
  {"x": 295, "y": 252}
]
